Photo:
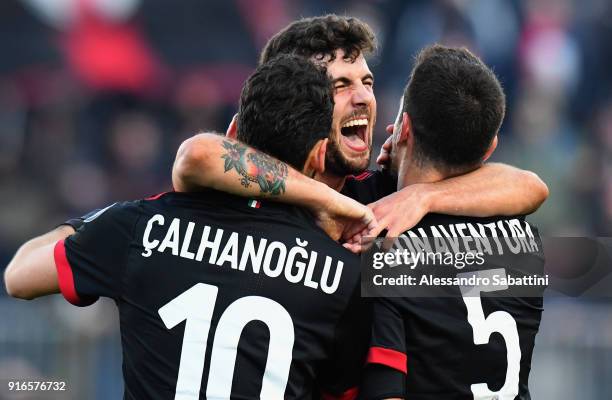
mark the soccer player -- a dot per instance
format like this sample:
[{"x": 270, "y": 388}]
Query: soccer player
[
  {"x": 341, "y": 45},
  {"x": 467, "y": 346},
  {"x": 220, "y": 296}
]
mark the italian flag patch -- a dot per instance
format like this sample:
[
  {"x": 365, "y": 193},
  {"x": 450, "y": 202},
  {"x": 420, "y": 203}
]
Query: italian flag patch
[{"x": 254, "y": 204}]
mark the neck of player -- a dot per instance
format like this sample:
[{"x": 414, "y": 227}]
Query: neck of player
[
  {"x": 410, "y": 172},
  {"x": 333, "y": 181}
]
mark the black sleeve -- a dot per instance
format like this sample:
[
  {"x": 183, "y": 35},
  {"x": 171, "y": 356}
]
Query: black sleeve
[
  {"x": 381, "y": 382},
  {"x": 90, "y": 262},
  {"x": 340, "y": 377},
  {"x": 386, "y": 368},
  {"x": 369, "y": 186}
]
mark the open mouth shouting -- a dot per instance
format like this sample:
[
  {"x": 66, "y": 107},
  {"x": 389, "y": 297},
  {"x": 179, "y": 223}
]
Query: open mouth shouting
[{"x": 354, "y": 133}]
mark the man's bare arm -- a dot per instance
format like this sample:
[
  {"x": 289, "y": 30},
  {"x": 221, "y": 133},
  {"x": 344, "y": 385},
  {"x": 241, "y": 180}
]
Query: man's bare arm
[
  {"x": 211, "y": 161},
  {"x": 493, "y": 189},
  {"x": 32, "y": 273}
]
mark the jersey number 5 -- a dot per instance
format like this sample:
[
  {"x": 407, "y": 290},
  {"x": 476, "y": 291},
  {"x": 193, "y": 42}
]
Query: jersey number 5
[
  {"x": 498, "y": 321},
  {"x": 195, "y": 306}
]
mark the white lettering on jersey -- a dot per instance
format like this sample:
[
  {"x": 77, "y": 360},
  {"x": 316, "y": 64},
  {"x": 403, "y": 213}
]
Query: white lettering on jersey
[
  {"x": 296, "y": 264},
  {"x": 195, "y": 306}
]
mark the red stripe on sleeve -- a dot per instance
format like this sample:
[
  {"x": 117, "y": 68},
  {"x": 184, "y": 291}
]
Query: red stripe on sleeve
[
  {"x": 350, "y": 394},
  {"x": 391, "y": 358},
  {"x": 65, "y": 277}
]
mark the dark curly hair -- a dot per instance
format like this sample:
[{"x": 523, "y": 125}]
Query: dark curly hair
[
  {"x": 322, "y": 36},
  {"x": 456, "y": 106},
  {"x": 286, "y": 106}
]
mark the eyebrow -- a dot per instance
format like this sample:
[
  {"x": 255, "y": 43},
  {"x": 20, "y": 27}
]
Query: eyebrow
[
  {"x": 346, "y": 80},
  {"x": 342, "y": 79}
]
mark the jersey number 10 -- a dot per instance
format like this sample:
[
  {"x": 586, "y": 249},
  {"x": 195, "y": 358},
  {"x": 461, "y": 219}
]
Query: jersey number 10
[{"x": 195, "y": 306}]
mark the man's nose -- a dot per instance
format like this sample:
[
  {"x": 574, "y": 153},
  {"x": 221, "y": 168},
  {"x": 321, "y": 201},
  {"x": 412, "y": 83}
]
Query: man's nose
[
  {"x": 389, "y": 129},
  {"x": 362, "y": 96}
]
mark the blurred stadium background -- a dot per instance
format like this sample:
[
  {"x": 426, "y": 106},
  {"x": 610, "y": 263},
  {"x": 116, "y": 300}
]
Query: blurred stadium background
[{"x": 96, "y": 96}]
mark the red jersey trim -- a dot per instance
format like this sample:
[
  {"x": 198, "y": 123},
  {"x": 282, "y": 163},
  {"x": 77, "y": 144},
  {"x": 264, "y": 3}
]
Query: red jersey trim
[
  {"x": 157, "y": 196},
  {"x": 350, "y": 394},
  {"x": 65, "y": 277},
  {"x": 388, "y": 357},
  {"x": 362, "y": 176}
]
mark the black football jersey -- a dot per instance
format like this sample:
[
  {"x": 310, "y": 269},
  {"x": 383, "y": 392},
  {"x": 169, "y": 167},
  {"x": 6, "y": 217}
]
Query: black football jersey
[
  {"x": 369, "y": 186},
  {"x": 458, "y": 346},
  {"x": 222, "y": 297}
]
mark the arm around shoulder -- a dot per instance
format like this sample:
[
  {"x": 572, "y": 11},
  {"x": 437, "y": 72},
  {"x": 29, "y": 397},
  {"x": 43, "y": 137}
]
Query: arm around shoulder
[
  {"x": 32, "y": 272},
  {"x": 493, "y": 189},
  {"x": 537, "y": 187},
  {"x": 191, "y": 170}
]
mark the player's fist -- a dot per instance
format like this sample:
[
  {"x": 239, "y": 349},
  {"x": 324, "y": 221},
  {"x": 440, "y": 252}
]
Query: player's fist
[
  {"x": 343, "y": 217},
  {"x": 402, "y": 210}
]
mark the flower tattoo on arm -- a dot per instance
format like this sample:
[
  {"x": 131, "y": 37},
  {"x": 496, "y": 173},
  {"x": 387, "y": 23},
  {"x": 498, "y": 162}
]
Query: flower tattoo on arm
[{"x": 255, "y": 167}]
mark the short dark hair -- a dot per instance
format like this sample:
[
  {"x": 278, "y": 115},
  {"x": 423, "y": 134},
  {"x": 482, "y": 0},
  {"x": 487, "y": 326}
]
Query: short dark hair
[
  {"x": 456, "y": 106},
  {"x": 323, "y": 35},
  {"x": 286, "y": 106}
]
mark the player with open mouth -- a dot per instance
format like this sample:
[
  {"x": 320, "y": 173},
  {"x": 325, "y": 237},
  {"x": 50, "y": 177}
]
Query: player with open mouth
[
  {"x": 341, "y": 44},
  {"x": 356, "y": 133}
]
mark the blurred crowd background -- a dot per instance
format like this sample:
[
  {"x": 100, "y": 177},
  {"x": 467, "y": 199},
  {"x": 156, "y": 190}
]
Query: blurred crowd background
[{"x": 97, "y": 95}]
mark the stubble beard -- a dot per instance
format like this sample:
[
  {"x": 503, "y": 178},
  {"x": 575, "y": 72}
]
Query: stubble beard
[{"x": 338, "y": 164}]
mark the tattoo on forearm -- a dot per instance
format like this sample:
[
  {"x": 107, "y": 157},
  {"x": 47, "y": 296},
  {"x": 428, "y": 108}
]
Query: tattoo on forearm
[{"x": 256, "y": 167}]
